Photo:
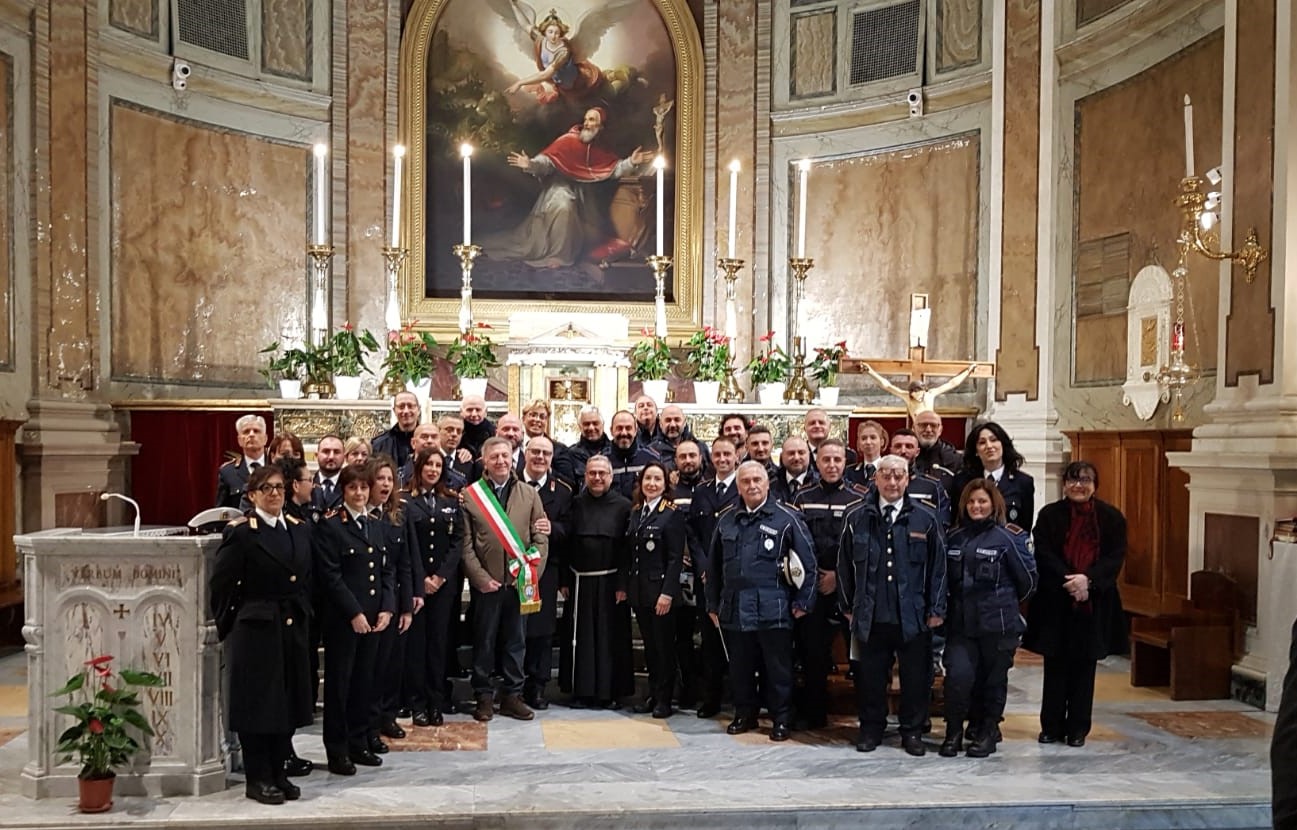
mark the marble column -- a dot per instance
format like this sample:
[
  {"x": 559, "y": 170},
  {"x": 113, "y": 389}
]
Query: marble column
[{"x": 1243, "y": 462}]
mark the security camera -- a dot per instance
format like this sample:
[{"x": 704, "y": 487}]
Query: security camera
[
  {"x": 915, "y": 99},
  {"x": 180, "y": 73}
]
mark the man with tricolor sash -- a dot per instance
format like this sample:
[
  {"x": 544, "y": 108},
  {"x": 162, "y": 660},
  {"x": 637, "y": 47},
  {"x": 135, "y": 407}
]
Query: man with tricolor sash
[{"x": 506, "y": 542}]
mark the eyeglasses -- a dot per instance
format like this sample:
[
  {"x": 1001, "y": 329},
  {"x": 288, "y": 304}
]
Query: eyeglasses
[
  {"x": 890, "y": 475},
  {"x": 1080, "y": 480},
  {"x": 272, "y": 488}
]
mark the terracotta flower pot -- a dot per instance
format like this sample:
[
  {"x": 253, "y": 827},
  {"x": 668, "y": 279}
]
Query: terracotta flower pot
[{"x": 96, "y": 794}]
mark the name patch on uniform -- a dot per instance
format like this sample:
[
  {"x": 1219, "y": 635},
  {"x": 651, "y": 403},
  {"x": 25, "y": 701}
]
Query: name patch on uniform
[
  {"x": 918, "y": 534},
  {"x": 987, "y": 552},
  {"x": 769, "y": 530}
]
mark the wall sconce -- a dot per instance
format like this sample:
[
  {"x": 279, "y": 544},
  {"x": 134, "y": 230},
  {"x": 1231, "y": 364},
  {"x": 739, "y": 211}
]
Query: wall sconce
[{"x": 1199, "y": 212}]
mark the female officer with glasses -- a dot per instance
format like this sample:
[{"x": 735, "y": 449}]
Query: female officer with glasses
[{"x": 1080, "y": 546}]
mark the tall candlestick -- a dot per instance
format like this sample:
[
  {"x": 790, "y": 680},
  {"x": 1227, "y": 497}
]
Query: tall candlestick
[
  {"x": 466, "y": 152},
  {"x": 1188, "y": 138},
  {"x": 804, "y": 169},
  {"x": 660, "y": 164},
  {"x": 321, "y": 155},
  {"x": 398, "y": 156},
  {"x": 734, "y": 206}
]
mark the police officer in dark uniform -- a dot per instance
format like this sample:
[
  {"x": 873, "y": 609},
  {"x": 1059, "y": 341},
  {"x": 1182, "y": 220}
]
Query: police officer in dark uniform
[
  {"x": 752, "y": 594},
  {"x": 556, "y": 499},
  {"x": 990, "y": 570},
  {"x": 989, "y": 453},
  {"x": 358, "y": 583},
  {"x": 892, "y": 575},
  {"x": 688, "y": 474},
  {"x": 929, "y": 488},
  {"x": 385, "y": 514},
  {"x": 433, "y": 532},
  {"x": 232, "y": 477},
  {"x": 627, "y": 455},
  {"x": 396, "y": 442},
  {"x": 656, "y": 534},
  {"x": 794, "y": 471},
  {"x": 262, "y": 572},
  {"x": 329, "y": 459},
  {"x": 707, "y": 501},
  {"x": 299, "y": 487},
  {"x": 824, "y": 506},
  {"x": 871, "y": 444}
]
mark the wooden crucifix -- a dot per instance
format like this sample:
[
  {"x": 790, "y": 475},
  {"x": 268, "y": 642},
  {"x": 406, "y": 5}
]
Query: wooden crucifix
[{"x": 918, "y": 397}]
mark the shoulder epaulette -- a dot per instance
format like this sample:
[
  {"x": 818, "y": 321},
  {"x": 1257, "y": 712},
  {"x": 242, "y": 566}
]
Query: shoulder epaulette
[
  {"x": 329, "y": 514},
  {"x": 1012, "y": 528},
  {"x": 252, "y": 522},
  {"x": 237, "y": 521},
  {"x": 941, "y": 468},
  {"x": 292, "y": 519},
  {"x": 726, "y": 509},
  {"x": 229, "y": 462},
  {"x": 666, "y": 505},
  {"x": 560, "y": 483}
]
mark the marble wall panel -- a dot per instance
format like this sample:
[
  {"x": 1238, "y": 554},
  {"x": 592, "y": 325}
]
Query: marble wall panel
[
  {"x": 367, "y": 146},
  {"x": 888, "y": 224},
  {"x": 813, "y": 61},
  {"x": 286, "y": 37},
  {"x": 138, "y": 17},
  {"x": 1088, "y": 11},
  {"x": 6, "y": 211},
  {"x": 1129, "y": 162},
  {"x": 959, "y": 33},
  {"x": 207, "y": 248},
  {"x": 1018, "y": 358},
  {"x": 1250, "y": 323}
]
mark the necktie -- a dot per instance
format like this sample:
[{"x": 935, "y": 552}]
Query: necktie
[
  {"x": 535, "y": 484},
  {"x": 720, "y": 489},
  {"x": 254, "y": 465},
  {"x": 887, "y": 514},
  {"x": 869, "y": 471},
  {"x": 328, "y": 489},
  {"x": 644, "y": 514}
]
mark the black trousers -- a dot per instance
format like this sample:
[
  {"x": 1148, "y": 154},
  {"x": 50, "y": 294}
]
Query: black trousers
[
  {"x": 264, "y": 755},
  {"x": 427, "y": 682},
  {"x": 498, "y": 639},
  {"x": 388, "y": 668},
  {"x": 349, "y": 663},
  {"x": 659, "y": 651},
  {"x": 714, "y": 663},
  {"x": 886, "y": 645},
  {"x": 977, "y": 678},
  {"x": 813, "y": 636},
  {"x": 1067, "y": 700},
  {"x": 685, "y": 623},
  {"x": 769, "y": 651}
]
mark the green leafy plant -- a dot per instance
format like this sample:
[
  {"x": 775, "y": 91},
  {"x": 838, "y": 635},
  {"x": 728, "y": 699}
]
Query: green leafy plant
[
  {"x": 100, "y": 739},
  {"x": 348, "y": 348},
  {"x": 317, "y": 362},
  {"x": 650, "y": 359},
  {"x": 770, "y": 365},
  {"x": 411, "y": 355},
  {"x": 287, "y": 365},
  {"x": 709, "y": 354},
  {"x": 828, "y": 362},
  {"x": 471, "y": 353}
]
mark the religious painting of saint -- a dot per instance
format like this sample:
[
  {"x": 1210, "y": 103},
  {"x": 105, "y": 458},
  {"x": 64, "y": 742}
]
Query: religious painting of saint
[{"x": 566, "y": 106}]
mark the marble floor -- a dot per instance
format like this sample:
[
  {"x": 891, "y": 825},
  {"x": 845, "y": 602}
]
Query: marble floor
[{"x": 1150, "y": 763}]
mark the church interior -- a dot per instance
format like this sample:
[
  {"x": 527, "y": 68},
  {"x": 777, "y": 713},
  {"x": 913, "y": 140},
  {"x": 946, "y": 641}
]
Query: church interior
[{"x": 1084, "y": 203}]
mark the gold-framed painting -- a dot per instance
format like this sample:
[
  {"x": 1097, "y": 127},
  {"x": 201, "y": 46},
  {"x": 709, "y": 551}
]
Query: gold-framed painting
[{"x": 566, "y": 104}]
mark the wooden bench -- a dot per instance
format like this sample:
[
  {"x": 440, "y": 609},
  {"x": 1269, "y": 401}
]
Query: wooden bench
[{"x": 1191, "y": 652}]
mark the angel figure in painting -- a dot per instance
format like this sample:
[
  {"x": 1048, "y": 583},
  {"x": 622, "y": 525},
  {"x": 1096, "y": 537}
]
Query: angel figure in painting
[
  {"x": 919, "y": 398},
  {"x": 560, "y": 51}
]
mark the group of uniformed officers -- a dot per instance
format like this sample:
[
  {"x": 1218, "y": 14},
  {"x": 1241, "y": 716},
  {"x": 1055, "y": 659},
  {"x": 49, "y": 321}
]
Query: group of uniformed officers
[{"x": 724, "y": 558}]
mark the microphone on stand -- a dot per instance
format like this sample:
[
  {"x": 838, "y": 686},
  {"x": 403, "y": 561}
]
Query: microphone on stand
[{"x": 128, "y": 500}]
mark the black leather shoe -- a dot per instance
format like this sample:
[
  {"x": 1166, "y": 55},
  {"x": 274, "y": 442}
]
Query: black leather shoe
[
  {"x": 296, "y": 767},
  {"x": 366, "y": 759},
  {"x": 421, "y": 719},
  {"x": 1076, "y": 740},
  {"x": 662, "y": 710},
  {"x": 342, "y": 766},
  {"x": 579, "y": 703},
  {"x": 644, "y": 706},
  {"x": 377, "y": 746},
  {"x": 866, "y": 743},
  {"x": 435, "y": 717},
  {"x": 291, "y": 791},
  {"x": 403, "y": 712},
  {"x": 1047, "y": 738},
  {"x": 982, "y": 747},
  {"x": 913, "y": 744},
  {"x": 952, "y": 745},
  {"x": 741, "y": 724},
  {"x": 780, "y": 732},
  {"x": 709, "y": 710},
  {"x": 392, "y": 730},
  {"x": 536, "y": 701},
  {"x": 265, "y": 793}
]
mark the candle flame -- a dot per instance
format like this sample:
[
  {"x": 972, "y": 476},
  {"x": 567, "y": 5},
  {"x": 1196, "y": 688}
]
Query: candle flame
[
  {"x": 734, "y": 166},
  {"x": 321, "y": 150},
  {"x": 660, "y": 162},
  {"x": 399, "y": 151},
  {"x": 465, "y": 150}
]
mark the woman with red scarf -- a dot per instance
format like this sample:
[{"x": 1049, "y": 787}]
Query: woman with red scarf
[{"x": 1080, "y": 547}]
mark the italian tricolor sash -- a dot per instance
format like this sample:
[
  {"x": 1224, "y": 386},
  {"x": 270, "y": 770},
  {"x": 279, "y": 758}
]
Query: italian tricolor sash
[{"x": 524, "y": 563}]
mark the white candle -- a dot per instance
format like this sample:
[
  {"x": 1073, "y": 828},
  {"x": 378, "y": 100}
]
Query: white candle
[
  {"x": 466, "y": 153},
  {"x": 1188, "y": 138},
  {"x": 804, "y": 168},
  {"x": 660, "y": 164},
  {"x": 734, "y": 207},
  {"x": 398, "y": 157},
  {"x": 321, "y": 155}
]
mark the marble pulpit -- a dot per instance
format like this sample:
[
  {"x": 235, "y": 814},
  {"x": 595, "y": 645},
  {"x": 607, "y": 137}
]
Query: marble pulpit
[{"x": 142, "y": 599}]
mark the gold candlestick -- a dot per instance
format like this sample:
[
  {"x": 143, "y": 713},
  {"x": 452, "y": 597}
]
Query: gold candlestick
[
  {"x": 466, "y": 254},
  {"x": 393, "y": 259},
  {"x": 1193, "y": 236},
  {"x": 659, "y": 264},
  {"x": 798, "y": 389},
  {"x": 318, "y": 312}
]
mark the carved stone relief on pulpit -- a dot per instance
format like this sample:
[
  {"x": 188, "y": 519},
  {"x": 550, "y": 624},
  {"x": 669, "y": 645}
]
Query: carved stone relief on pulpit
[{"x": 1148, "y": 340}]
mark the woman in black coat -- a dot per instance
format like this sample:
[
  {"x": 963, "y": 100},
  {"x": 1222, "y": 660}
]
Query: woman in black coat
[
  {"x": 385, "y": 507},
  {"x": 989, "y": 453},
  {"x": 262, "y": 573},
  {"x": 1080, "y": 547},
  {"x": 657, "y": 537},
  {"x": 433, "y": 531}
]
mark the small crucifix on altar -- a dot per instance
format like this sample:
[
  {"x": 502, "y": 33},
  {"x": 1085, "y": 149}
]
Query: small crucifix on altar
[{"x": 918, "y": 397}]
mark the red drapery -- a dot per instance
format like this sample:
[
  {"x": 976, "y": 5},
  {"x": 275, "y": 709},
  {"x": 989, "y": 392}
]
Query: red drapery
[{"x": 174, "y": 475}]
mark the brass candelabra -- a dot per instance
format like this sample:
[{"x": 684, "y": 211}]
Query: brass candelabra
[
  {"x": 321, "y": 262},
  {"x": 730, "y": 391},
  {"x": 660, "y": 265},
  {"x": 466, "y": 253},
  {"x": 798, "y": 389},
  {"x": 393, "y": 259},
  {"x": 1194, "y": 236}
]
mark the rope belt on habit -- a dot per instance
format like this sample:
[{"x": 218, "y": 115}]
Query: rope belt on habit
[{"x": 576, "y": 599}]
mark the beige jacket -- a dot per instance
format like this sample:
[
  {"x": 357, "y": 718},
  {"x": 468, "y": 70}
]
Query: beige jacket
[{"x": 484, "y": 557}]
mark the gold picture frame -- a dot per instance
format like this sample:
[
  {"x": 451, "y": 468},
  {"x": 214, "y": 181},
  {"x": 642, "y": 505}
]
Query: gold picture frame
[{"x": 440, "y": 314}]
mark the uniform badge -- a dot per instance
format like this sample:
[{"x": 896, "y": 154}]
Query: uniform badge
[
  {"x": 649, "y": 545},
  {"x": 770, "y": 544},
  {"x": 1013, "y": 513}
]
